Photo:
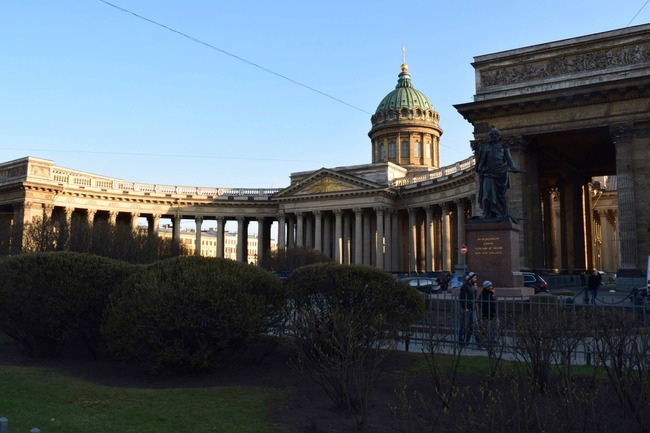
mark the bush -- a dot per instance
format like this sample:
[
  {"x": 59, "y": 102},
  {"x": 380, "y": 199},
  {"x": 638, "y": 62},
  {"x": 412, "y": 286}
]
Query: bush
[
  {"x": 345, "y": 319},
  {"x": 179, "y": 314},
  {"x": 47, "y": 300},
  {"x": 285, "y": 261}
]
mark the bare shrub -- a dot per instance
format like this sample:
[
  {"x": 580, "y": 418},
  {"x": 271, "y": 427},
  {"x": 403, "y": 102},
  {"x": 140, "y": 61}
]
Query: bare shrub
[
  {"x": 346, "y": 318},
  {"x": 622, "y": 350}
]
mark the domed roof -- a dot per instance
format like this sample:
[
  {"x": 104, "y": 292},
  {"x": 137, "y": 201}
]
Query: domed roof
[{"x": 404, "y": 95}]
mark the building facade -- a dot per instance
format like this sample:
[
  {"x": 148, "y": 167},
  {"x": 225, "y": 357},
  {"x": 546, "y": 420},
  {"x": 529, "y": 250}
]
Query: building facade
[{"x": 574, "y": 112}]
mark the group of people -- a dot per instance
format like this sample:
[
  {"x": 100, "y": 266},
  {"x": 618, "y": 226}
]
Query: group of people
[{"x": 472, "y": 300}]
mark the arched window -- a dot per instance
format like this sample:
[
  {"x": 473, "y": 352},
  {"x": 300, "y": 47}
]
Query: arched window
[
  {"x": 382, "y": 152},
  {"x": 392, "y": 150}
]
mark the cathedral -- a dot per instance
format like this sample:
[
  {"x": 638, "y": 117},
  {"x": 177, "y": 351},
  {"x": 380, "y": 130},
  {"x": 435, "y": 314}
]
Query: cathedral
[{"x": 574, "y": 114}]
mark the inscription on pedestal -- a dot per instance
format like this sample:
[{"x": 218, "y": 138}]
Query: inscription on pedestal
[{"x": 493, "y": 253}]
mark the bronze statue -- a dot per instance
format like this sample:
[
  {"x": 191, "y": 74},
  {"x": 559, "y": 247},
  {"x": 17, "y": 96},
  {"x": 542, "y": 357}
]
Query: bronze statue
[{"x": 493, "y": 165}]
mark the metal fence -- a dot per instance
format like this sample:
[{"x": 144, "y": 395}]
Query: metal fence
[{"x": 440, "y": 328}]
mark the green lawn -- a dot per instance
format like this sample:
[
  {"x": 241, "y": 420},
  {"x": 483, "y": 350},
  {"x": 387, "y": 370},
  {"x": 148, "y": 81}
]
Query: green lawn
[{"x": 55, "y": 402}]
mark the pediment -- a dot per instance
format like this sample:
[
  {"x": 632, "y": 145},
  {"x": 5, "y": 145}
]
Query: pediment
[{"x": 327, "y": 181}]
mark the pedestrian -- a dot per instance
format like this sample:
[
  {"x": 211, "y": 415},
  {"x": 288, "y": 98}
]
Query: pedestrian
[
  {"x": 467, "y": 300},
  {"x": 594, "y": 281},
  {"x": 489, "y": 310}
]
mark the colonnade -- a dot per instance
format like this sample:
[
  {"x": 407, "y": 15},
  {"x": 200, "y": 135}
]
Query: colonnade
[{"x": 419, "y": 238}]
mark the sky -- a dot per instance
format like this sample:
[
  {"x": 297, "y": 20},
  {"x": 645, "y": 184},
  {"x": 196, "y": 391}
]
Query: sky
[{"x": 243, "y": 93}]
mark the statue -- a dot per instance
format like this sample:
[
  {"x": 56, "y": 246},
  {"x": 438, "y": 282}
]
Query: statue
[{"x": 493, "y": 164}]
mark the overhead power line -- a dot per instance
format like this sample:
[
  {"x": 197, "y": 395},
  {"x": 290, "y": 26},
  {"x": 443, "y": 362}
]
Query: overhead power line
[
  {"x": 637, "y": 14},
  {"x": 241, "y": 59}
]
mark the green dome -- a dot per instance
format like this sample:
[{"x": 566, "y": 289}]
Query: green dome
[{"x": 405, "y": 96}]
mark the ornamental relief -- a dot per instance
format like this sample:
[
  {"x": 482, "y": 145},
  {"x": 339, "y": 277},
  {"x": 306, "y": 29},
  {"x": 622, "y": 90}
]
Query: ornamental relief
[
  {"x": 603, "y": 59},
  {"x": 41, "y": 171},
  {"x": 326, "y": 185},
  {"x": 13, "y": 172}
]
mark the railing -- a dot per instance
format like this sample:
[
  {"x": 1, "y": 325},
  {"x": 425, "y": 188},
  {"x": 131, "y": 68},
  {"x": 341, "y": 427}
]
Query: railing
[
  {"x": 83, "y": 180},
  {"x": 443, "y": 172},
  {"x": 440, "y": 328}
]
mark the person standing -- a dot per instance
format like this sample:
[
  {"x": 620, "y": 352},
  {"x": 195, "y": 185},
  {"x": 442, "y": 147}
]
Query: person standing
[
  {"x": 489, "y": 310},
  {"x": 595, "y": 279},
  {"x": 467, "y": 299}
]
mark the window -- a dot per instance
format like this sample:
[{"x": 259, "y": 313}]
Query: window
[
  {"x": 392, "y": 150},
  {"x": 382, "y": 152},
  {"x": 405, "y": 149},
  {"x": 427, "y": 150}
]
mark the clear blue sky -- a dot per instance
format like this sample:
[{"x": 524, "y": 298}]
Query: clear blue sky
[{"x": 96, "y": 89}]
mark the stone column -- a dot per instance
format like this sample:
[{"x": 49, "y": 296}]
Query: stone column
[
  {"x": 599, "y": 242},
  {"x": 198, "y": 220},
  {"x": 261, "y": 239},
  {"x": 18, "y": 228},
  {"x": 358, "y": 236},
  {"x": 153, "y": 223},
  {"x": 367, "y": 240},
  {"x": 460, "y": 231},
  {"x": 318, "y": 231},
  {"x": 281, "y": 232},
  {"x": 112, "y": 217},
  {"x": 309, "y": 231},
  {"x": 221, "y": 234},
  {"x": 176, "y": 229},
  {"x": 587, "y": 239},
  {"x": 550, "y": 246},
  {"x": 395, "y": 242},
  {"x": 327, "y": 235},
  {"x": 242, "y": 240},
  {"x": 446, "y": 237},
  {"x": 622, "y": 137},
  {"x": 300, "y": 229},
  {"x": 379, "y": 242},
  {"x": 338, "y": 236},
  {"x": 428, "y": 238},
  {"x": 90, "y": 214},
  {"x": 347, "y": 233},
  {"x": 134, "y": 221},
  {"x": 291, "y": 232},
  {"x": 413, "y": 239},
  {"x": 388, "y": 261},
  {"x": 610, "y": 247}
]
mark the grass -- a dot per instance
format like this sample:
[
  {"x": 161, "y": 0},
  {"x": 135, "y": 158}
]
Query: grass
[{"x": 44, "y": 398}]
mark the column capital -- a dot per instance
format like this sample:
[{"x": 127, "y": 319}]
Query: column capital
[{"x": 621, "y": 132}]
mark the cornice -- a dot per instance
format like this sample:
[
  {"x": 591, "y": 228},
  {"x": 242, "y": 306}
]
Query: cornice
[{"x": 553, "y": 100}]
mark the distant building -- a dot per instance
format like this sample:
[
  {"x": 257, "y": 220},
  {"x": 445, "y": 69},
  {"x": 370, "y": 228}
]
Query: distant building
[{"x": 209, "y": 243}]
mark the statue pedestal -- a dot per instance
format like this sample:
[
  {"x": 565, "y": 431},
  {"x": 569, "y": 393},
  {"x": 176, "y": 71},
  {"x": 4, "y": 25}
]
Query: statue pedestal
[{"x": 493, "y": 252}]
